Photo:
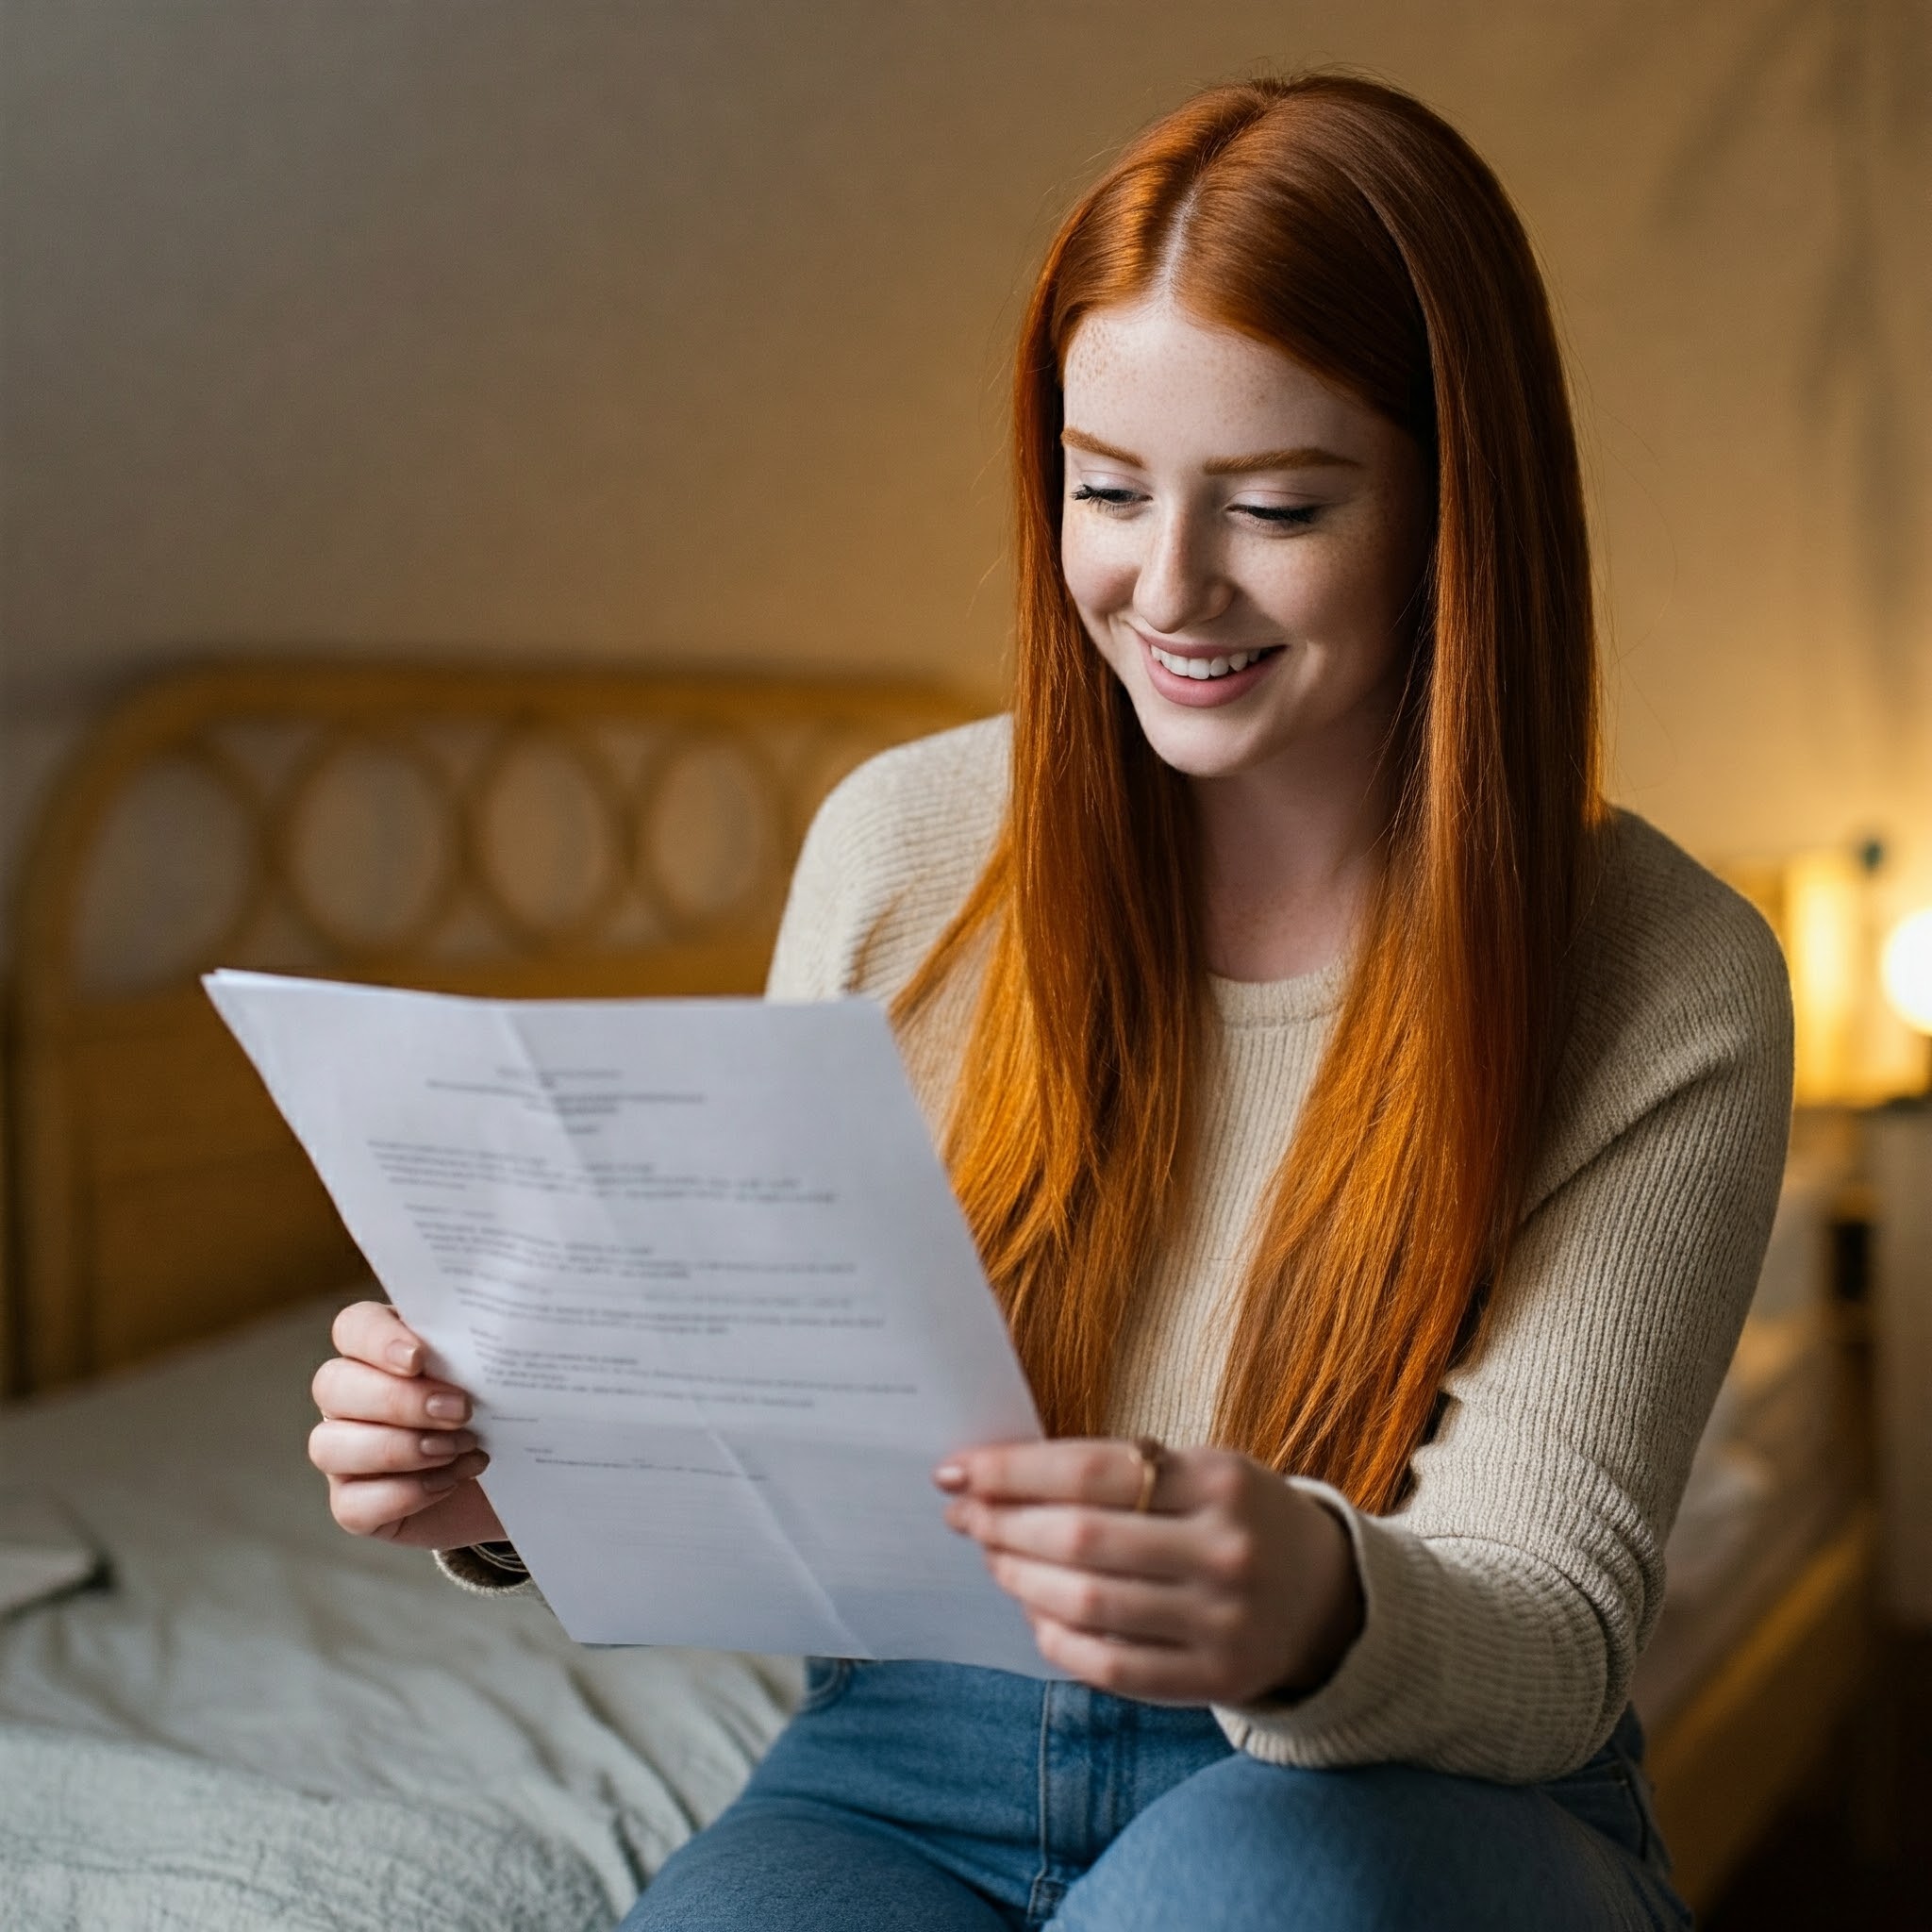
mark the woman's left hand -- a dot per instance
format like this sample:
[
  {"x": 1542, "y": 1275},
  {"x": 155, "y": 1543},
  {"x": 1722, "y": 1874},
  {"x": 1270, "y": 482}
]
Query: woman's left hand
[{"x": 1231, "y": 1587}]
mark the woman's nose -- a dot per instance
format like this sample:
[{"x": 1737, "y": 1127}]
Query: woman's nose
[{"x": 1180, "y": 581}]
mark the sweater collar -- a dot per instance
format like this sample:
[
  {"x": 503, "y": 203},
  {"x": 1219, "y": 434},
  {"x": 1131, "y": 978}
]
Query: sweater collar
[{"x": 1279, "y": 1002}]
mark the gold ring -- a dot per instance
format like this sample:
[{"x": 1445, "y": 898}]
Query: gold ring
[{"x": 1152, "y": 1455}]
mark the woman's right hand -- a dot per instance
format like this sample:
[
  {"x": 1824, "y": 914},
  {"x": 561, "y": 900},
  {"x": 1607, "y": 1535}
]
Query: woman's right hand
[{"x": 400, "y": 1463}]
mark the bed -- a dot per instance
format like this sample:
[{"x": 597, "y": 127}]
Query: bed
[{"x": 201, "y": 1738}]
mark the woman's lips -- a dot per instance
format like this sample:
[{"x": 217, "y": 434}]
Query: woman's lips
[{"x": 1180, "y": 687}]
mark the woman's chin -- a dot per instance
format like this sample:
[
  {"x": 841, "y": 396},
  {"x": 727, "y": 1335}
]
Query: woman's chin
[{"x": 1202, "y": 744}]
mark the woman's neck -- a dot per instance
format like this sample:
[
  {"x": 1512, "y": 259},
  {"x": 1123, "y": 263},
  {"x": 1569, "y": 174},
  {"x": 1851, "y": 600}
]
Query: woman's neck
[{"x": 1290, "y": 854}]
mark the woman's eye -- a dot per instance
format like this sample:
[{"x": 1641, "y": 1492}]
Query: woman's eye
[
  {"x": 1118, "y": 497},
  {"x": 1297, "y": 515}
]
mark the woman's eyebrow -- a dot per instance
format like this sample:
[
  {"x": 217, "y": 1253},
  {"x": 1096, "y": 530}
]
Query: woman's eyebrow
[
  {"x": 1303, "y": 457},
  {"x": 1078, "y": 439}
]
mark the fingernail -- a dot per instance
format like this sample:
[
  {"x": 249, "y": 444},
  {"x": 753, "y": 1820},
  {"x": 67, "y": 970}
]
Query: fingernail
[
  {"x": 950, "y": 1476},
  {"x": 405, "y": 1355},
  {"x": 451, "y": 1443},
  {"x": 438, "y": 1479},
  {"x": 448, "y": 1408}
]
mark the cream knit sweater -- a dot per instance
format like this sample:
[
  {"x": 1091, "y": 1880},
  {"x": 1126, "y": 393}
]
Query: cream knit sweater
[{"x": 1507, "y": 1599}]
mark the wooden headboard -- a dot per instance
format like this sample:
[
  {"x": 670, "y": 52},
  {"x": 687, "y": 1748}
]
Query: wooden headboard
[{"x": 527, "y": 831}]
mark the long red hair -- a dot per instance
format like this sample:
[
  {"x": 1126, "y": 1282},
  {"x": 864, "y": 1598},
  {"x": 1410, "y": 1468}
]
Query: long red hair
[{"x": 1345, "y": 222}]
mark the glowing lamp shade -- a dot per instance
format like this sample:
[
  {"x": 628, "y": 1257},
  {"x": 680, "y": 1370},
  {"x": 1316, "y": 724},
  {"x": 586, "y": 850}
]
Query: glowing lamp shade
[{"x": 1906, "y": 969}]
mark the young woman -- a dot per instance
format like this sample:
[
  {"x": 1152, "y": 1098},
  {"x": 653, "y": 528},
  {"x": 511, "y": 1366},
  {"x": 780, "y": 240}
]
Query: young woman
[{"x": 1341, "y": 1094}]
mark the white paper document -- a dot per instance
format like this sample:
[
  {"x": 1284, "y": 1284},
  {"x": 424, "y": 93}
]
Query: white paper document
[{"x": 701, "y": 1269}]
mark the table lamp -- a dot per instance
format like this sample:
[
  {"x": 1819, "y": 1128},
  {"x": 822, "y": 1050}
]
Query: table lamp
[{"x": 1905, "y": 967}]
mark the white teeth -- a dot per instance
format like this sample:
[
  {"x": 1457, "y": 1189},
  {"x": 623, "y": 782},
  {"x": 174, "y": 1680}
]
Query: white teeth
[{"x": 1200, "y": 668}]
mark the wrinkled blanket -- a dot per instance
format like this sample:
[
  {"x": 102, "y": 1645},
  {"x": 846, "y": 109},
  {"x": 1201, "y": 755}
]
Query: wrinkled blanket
[
  {"x": 97, "y": 1833},
  {"x": 257, "y": 1720}
]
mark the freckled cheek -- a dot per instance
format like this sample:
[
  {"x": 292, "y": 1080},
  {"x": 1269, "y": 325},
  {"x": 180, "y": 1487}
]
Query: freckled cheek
[
  {"x": 1099, "y": 573},
  {"x": 1101, "y": 579},
  {"x": 1375, "y": 584},
  {"x": 1317, "y": 594}
]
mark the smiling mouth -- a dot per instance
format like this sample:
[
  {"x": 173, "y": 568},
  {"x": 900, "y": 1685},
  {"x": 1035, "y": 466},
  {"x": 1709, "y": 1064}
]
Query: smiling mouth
[{"x": 1203, "y": 670}]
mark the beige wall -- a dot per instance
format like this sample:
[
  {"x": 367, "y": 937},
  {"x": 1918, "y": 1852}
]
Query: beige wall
[{"x": 677, "y": 331}]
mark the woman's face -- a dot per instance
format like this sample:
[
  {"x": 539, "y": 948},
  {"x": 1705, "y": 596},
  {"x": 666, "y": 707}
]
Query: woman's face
[{"x": 1243, "y": 542}]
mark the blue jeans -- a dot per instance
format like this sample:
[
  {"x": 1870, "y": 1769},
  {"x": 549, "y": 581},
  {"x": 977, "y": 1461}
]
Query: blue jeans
[{"x": 940, "y": 1798}]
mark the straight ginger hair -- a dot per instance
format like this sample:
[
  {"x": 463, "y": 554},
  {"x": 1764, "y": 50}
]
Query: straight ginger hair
[{"x": 1343, "y": 222}]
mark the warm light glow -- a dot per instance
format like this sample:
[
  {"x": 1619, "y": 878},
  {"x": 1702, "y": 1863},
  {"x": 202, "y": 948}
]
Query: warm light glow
[
  {"x": 1907, "y": 968},
  {"x": 1823, "y": 927}
]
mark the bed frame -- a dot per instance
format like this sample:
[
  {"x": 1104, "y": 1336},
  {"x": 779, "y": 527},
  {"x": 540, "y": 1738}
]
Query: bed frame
[
  {"x": 529, "y": 831},
  {"x": 518, "y": 831}
]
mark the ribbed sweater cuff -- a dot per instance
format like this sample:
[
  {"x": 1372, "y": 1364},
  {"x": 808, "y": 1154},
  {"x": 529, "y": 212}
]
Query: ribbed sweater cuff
[
  {"x": 469, "y": 1569},
  {"x": 1347, "y": 1721}
]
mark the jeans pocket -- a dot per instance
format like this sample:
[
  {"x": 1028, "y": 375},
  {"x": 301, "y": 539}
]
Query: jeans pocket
[
  {"x": 1603, "y": 1796},
  {"x": 1643, "y": 1794},
  {"x": 826, "y": 1680}
]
